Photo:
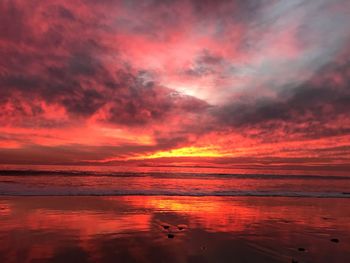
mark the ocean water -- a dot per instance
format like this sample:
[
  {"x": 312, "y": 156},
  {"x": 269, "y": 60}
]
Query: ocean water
[
  {"x": 172, "y": 214},
  {"x": 165, "y": 181},
  {"x": 204, "y": 229}
]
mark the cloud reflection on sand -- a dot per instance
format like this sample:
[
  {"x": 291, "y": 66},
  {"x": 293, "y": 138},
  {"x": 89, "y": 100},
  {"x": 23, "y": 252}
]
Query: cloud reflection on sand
[{"x": 106, "y": 229}]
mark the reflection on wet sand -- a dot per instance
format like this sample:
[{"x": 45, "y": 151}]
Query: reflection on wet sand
[{"x": 173, "y": 229}]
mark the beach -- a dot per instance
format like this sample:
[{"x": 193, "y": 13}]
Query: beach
[
  {"x": 174, "y": 229},
  {"x": 179, "y": 131}
]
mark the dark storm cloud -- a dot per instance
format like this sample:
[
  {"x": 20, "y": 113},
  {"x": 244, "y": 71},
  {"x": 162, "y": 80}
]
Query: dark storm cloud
[
  {"x": 228, "y": 10},
  {"x": 65, "y": 13},
  {"x": 12, "y": 22},
  {"x": 140, "y": 104},
  {"x": 83, "y": 64},
  {"x": 65, "y": 67},
  {"x": 130, "y": 102},
  {"x": 306, "y": 109},
  {"x": 206, "y": 64},
  {"x": 78, "y": 79}
]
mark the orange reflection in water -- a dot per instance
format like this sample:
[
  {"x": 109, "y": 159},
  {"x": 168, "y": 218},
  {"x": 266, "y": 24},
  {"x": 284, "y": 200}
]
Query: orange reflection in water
[
  {"x": 87, "y": 223},
  {"x": 213, "y": 212},
  {"x": 130, "y": 228}
]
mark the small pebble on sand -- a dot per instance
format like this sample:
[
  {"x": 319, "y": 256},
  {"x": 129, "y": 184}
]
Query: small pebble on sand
[{"x": 181, "y": 227}]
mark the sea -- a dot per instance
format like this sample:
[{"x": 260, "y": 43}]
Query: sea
[{"x": 169, "y": 181}]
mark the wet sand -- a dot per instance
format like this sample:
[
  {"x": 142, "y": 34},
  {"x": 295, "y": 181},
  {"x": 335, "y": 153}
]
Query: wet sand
[{"x": 174, "y": 229}]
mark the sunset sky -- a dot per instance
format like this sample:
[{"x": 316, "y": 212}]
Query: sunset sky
[{"x": 159, "y": 81}]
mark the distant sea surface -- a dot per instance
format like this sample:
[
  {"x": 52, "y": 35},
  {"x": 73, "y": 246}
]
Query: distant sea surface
[{"x": 168, "y": 181}]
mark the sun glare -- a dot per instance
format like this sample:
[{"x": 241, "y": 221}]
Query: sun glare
[{"x": 186, "y": 152}]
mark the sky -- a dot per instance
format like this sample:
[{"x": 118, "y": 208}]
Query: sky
[{"x": 182, "y": 82}]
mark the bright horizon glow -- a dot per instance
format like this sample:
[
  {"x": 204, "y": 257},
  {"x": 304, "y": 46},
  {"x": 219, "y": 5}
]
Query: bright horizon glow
[{"x": 186, "y": 152}]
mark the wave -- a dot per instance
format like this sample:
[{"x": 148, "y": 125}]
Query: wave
[
  {"x": 165, "y": 174},
  {"x": 176, "y": 193}
]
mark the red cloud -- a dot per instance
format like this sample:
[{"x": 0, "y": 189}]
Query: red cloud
[{"x": 95, "y": 81}]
